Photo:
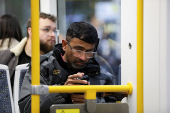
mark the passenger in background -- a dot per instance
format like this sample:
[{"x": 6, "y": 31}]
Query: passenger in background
[
  {"x": 47, "y": 35},
  {"x": 10, "y": 32},
  {"x": 10, "y": 36},
  {"x": 21, "y": 53},
  {"x": 71, "y": 63}
]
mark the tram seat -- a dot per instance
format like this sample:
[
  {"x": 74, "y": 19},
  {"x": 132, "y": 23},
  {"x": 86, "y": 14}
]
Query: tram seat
[
  {"x": 20, "y": 72},
  {"x": 6, "y": 99},
  {"x": 82, "y": 108}
]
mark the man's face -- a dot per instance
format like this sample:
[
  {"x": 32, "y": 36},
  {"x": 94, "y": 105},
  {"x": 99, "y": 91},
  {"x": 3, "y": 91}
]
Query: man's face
[
  {"x": 77, "y": 44},
  {"x": 46, "y": 34}
]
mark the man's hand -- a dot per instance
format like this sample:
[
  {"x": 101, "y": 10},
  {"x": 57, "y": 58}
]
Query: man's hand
[
  {"x": 77, "y": 98},
  {"x": 73, "y": 79}
]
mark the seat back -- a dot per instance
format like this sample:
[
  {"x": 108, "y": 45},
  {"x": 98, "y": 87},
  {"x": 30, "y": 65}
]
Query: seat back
[
  {"x": 6, "y": 100},
  {"x": 20, "y": 72},
  {"x": 83, "y": 108}
]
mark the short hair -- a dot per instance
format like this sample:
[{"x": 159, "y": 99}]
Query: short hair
[
  {"x": 44, "y": 16},
  {"x": 83, "y": 31},
  {"x": 10, "y": 28}
]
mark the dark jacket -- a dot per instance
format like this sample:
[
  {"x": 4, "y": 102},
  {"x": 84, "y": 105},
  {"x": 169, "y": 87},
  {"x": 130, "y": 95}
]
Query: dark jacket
[
  {"x": 54, "y": 71},
  {"x": 10, "y": 56}
]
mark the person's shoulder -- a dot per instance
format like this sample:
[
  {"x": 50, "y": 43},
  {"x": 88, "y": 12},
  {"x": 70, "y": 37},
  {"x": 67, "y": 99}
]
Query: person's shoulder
[
  {"x": 47, "y": 58},
  {"x": 107, "y": 75},
  {"x": 105, "y": 72},
  {"x": 7, "y": 45},
  {"x": 18, "y": 49},
  {"x": 6, "y": 53},
  {"x": 14, "y": 42},
  {"x": 5, "y": 56}
]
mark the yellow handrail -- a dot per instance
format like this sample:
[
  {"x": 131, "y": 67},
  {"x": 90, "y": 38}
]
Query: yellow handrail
[
  {"x": 139, "y": 56},
  {"x": 92, "y": 88},
  {"x": 35, "y": 59}
]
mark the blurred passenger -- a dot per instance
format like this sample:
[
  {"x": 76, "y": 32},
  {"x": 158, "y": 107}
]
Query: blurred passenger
[
  {"x": 21, "y": 53},
  {"x": 10, "y": 32},
  {"x": 71, "y": 63},
  {"x": 10, "y": 36},
  {"x": 47, "y": 35}
]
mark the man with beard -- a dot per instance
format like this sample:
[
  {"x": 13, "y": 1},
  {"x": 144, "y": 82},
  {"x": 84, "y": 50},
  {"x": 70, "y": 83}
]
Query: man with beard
[
  {"x": 71, "y": 63},
  {"x": 21, "y": 53},
  {"x": 47, "y": 35}
]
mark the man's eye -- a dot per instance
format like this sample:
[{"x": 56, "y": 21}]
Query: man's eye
[
  {"x": 54, "y": 31},
  {"x": 46, "y": 30},
  {"x": 90, "y": 51},
  {"x": 78, "y": 51}
]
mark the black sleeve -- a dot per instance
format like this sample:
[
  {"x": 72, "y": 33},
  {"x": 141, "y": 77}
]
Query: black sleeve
[{"x": 45, "y": 100}]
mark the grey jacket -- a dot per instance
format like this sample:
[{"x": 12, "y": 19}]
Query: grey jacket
[
  {"x": 10, "y": 57},
  {"x": 54, "y": 71}
]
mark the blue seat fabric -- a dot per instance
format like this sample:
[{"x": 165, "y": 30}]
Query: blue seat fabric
[{"x": 5, "y": 101}]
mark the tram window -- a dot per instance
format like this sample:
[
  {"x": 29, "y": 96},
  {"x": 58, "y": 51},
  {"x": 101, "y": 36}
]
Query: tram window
[
  {"x": 105, "y": 16},
  {"x": 20, "y": 8}
]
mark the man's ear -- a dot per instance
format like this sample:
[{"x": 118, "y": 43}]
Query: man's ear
[
  {"x": 64, "y": 43},
  {"x": 29, "y": 32}
]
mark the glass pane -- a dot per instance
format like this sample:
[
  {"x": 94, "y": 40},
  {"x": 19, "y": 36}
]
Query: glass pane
[
  {"x": 20, "y": 8},
  {"x": 105, "y": 16}
]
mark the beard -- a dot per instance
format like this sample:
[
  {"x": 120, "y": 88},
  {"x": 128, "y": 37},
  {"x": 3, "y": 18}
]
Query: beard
[
  {"x": 78, "y": 66},
  {"x": 45, "y": 47}
]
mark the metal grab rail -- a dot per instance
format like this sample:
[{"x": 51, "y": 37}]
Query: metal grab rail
[
  {"x": 92, "y": 89},
  {"x": 89, "y": 90},
  {"x": 97, "y": 88}
]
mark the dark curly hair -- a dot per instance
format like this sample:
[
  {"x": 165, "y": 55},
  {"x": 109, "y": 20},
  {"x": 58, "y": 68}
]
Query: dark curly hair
[{"x": 83, "y": 31}]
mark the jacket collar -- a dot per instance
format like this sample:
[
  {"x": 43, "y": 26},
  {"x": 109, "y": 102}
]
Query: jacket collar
[
  {"x": 17, "y": 50},
  {"x": 12, "y": 44}
]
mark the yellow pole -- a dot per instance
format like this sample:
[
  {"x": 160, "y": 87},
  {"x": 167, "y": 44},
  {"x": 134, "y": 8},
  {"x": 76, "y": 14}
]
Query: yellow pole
[
  {"x": 35, "y": 59},
  {"x": 139, "y": 56}
]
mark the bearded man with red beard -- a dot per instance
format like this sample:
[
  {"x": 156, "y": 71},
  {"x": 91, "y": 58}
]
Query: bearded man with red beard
[{"x": 47, "y": 35}]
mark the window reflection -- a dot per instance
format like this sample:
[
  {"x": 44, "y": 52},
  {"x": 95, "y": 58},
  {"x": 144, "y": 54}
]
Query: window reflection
[{"x": 20, "y": 8}]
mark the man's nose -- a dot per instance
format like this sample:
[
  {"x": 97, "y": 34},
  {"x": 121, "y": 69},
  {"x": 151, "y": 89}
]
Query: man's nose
[
  {"x": 83, "y": 57},
  {"x": 52, "y": 34}
]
